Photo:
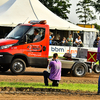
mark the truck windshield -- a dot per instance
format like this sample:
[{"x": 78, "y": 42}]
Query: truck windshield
[{"x": 18, "y": 32}]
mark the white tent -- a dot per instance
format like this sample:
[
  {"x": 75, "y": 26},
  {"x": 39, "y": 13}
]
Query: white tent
[
  {"x": 2, "y": 2},
  {"x": 21, "y": 11}
]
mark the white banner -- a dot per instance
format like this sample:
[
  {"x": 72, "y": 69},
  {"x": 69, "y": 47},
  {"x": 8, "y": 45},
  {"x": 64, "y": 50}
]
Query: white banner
[{"x": 61, "y": 50}]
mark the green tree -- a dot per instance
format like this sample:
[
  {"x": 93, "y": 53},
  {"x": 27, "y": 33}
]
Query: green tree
[
  {"x": 96, "y": 5},
  {"x": 85, "y": 14},
  {"x": 59, "y": 7},
  {"x": 97, "y": 26}
]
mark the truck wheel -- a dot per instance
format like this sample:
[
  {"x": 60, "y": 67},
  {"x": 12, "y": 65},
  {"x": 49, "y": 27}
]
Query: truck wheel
[
  {"x": 96, "y": 69},
  {"x": 18, "y": 66},
  {"x": 4, "y": 68},
  {"x": 79, "y": 70}
]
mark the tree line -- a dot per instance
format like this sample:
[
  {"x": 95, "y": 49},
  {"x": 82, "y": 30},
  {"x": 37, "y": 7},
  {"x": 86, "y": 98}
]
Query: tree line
[{"x": 83, "y": 10}]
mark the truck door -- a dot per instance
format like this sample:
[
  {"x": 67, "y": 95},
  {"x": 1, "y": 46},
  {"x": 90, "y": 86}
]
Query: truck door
[{"x": 35, "y": 47}]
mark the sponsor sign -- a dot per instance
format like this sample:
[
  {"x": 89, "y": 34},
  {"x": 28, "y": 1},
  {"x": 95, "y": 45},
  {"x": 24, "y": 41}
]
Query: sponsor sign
[
  {"x": 34, "y": 48},
  {"x": 61, "y": 50},
  {"x": 91, "y": 56}
]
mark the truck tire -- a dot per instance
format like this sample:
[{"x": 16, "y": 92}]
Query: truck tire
[
  {"x": 79, "y": 69},
  {"x": 18, "y": 66},
  {"x": 4, "y": 68},
  {"x": 96, "y": 69}
]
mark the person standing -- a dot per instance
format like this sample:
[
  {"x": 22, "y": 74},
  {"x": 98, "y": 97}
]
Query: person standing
[
  {"x": 95, "y": 44},
  {"x": 55, "y": 71},
  {"x": 98, "y": 58}
]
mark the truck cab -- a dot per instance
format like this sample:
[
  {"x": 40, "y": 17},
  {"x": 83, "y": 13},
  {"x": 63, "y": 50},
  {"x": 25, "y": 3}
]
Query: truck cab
[{"x": 18, "y": 49}]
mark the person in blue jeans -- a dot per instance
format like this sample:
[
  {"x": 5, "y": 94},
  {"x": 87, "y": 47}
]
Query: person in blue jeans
[
  {"x": 55, "y": 71},
  {"x": 98, "y": 57}
]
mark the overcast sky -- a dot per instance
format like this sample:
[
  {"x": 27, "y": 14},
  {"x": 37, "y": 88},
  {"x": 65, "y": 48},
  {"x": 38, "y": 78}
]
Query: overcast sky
[{"x": 73, "y": 16}]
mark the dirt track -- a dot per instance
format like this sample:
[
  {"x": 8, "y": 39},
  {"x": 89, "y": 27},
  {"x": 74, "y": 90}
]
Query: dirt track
[
  {"x": 47, "y": 97},
  {"x": 35, "y": 75}
]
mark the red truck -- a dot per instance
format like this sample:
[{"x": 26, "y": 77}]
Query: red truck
[{"x": 18, "y": 51}]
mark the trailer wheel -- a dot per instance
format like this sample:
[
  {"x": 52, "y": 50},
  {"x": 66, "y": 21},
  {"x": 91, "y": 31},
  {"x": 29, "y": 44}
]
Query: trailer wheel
[
  {"x": 96, "y": 69},
  {"x": 4, "y": 68},
  {"x": 79, "y": 69},
  {"x": 18, "y": 66}
]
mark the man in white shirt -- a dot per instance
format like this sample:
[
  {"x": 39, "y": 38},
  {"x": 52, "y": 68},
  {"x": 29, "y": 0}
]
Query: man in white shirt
[{"x": 78, "y": 42}]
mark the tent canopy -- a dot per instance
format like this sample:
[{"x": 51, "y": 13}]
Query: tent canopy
[{"x": 14, "y": 12}]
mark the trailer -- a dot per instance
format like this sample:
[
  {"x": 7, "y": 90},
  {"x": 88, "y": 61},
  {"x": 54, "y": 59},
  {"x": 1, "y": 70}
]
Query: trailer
[{"x": 84, "y": 62}]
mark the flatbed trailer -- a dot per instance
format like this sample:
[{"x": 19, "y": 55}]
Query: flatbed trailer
[{"x": 78, "y": 67}]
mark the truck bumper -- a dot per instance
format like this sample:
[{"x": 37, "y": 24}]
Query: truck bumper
[{"x": 5, "y": 58}]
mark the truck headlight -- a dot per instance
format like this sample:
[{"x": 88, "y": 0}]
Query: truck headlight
[{"x": 6, "y": 46}]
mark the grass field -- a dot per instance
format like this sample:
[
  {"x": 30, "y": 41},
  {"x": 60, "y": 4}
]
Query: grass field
[{"x": 70, "y": 86}]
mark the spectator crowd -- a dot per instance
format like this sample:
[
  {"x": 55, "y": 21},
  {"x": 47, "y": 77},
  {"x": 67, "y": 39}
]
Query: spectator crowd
[{"x": 56, "y": 40}]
